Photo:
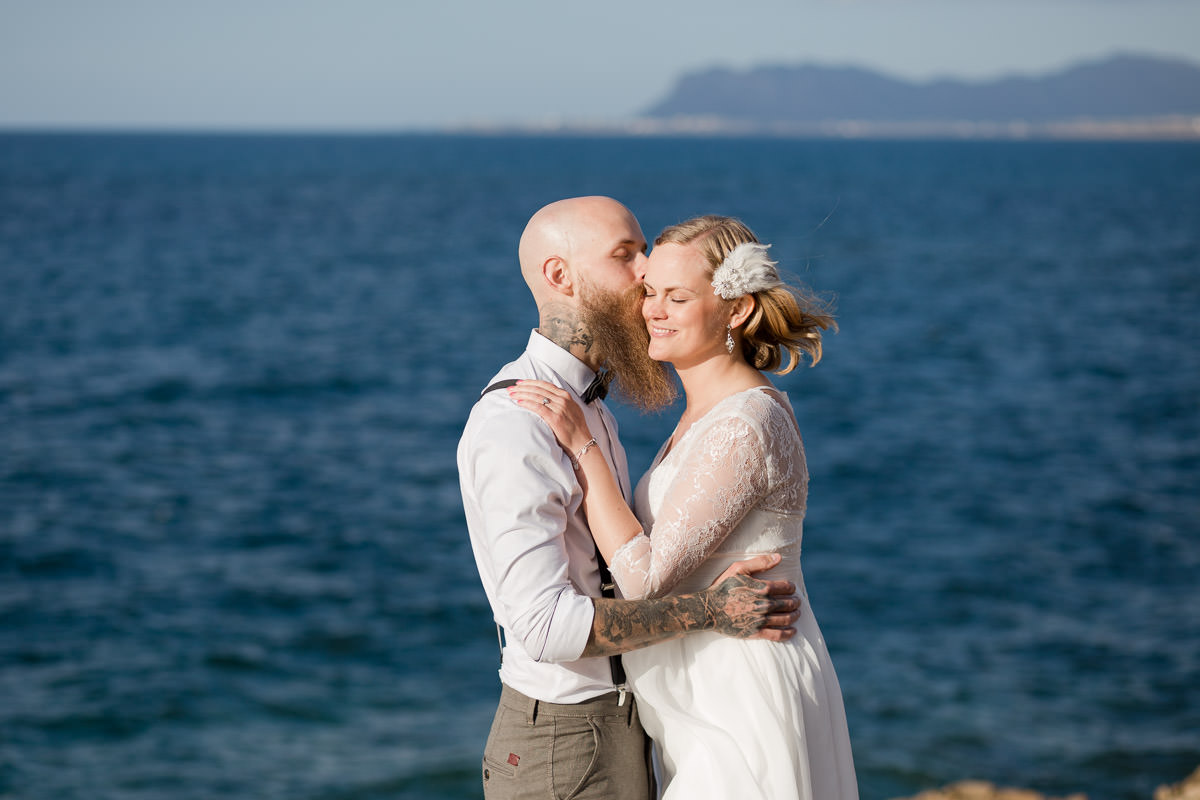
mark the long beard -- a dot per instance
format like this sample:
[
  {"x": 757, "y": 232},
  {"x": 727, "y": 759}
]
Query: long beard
[{"x": 620, "y": 337}]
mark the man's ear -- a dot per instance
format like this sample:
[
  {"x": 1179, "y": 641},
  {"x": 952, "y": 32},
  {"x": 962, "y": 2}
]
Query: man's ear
[
  {"x": 558, "y": 276},
  {"x": 743, "y": 307}
]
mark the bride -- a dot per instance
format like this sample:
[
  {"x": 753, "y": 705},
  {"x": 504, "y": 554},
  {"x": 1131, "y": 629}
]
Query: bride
[{"x": 729, "y": 717}]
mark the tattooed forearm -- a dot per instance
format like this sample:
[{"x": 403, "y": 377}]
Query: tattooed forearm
[
  {"x": 561, "y": 324},
  {"x": 623, "y": 625},
  {"x": 736, "y": 607}
]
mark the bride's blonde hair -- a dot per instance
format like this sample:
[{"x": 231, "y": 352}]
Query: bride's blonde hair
[{"x": 785, "y": 318}]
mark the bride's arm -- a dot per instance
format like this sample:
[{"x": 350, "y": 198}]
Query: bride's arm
[
  {"x": 610, "y": 520},
  {"x": 724, "y": 477}
]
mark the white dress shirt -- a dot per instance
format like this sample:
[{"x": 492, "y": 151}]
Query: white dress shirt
[{"x": 524, "y": 510}]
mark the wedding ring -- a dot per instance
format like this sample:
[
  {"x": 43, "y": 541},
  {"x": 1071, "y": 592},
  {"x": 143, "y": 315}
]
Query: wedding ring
[{"x": 545, "y": 401}]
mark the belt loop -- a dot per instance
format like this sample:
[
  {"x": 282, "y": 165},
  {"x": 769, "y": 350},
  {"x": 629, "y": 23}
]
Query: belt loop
[{"x": 533, "y": 709}]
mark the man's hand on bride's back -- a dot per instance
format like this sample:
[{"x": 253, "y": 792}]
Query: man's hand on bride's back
[{"x": 745, "y": 607}]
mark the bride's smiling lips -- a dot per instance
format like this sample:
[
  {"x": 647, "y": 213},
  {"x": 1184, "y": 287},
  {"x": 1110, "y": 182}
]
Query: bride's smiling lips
[{"x": 658, "y": 332}]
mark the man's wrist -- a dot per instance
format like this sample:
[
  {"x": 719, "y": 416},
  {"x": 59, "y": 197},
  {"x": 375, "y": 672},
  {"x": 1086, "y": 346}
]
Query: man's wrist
[{"x": 706, "y": 602}]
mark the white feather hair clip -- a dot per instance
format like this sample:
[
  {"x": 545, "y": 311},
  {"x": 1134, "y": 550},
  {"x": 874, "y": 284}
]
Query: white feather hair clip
[{"x": 744, "y": 271}]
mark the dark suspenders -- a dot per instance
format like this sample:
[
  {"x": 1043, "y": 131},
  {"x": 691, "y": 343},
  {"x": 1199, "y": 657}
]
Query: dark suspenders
[{"x": 607, "y": 587}]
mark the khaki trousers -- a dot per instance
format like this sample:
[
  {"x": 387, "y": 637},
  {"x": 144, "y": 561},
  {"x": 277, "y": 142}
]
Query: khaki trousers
[{"x": 594, "y": 750}]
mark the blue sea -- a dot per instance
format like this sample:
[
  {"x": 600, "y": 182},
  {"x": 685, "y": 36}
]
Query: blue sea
[{"x": 234, "y": 369}]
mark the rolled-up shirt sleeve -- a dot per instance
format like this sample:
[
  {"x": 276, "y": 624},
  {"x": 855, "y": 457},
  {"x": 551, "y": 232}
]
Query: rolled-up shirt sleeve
[{"x": 523, "y": 494}]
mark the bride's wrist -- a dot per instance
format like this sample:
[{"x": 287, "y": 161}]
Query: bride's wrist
[{"x": 581, "y": 452}]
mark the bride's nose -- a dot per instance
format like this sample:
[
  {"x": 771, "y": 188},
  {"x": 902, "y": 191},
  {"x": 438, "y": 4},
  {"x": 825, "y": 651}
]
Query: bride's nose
[{"x": 652, "y": 308}]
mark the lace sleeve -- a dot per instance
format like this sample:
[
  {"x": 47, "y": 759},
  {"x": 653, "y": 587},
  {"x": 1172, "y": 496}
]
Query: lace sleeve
[{"x": 724, "y": 477}]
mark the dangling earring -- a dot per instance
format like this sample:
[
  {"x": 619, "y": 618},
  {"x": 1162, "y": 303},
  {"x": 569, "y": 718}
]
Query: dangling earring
[{"x": 729, "y": 339}]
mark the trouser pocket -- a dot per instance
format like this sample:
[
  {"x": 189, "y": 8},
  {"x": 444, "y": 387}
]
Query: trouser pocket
[
  {"x": 575, "y": 751},
  {"x": 499, "y": 772}
]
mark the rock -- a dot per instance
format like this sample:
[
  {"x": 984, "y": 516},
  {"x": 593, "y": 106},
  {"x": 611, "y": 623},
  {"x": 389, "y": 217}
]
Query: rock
[
  {"x": 1186, "y": 789},
  {"x": 982, "y": 790}
]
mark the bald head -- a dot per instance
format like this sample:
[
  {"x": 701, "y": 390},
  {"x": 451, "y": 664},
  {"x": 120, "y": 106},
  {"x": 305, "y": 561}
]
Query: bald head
[{"x": 571, "y": 240}]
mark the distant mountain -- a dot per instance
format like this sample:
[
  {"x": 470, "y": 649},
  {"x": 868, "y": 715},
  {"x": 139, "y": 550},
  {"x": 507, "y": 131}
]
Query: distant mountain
[{"x": 1117, "y": 88}]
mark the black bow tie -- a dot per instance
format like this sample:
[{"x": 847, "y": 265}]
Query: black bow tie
[{"x": 598, "y": 388}]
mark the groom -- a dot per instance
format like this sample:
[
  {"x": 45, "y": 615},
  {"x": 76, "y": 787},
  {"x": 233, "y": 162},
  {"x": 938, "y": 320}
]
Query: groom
[{"x": 565, "y": 723}]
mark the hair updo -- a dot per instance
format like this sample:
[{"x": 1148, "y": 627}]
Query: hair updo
[{"x": 785, "y": 318}]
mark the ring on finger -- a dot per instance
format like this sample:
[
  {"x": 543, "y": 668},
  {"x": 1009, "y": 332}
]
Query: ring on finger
[{"x": 545, "y": 401}]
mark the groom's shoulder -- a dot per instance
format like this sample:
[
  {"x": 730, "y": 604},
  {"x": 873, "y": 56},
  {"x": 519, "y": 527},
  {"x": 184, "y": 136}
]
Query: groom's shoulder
[
  {"x": 505, "y": 376},
  {"x": 493, "y": 410},
  {"x": 500, "y": 432},
  {"x": 493, "y": 390}
]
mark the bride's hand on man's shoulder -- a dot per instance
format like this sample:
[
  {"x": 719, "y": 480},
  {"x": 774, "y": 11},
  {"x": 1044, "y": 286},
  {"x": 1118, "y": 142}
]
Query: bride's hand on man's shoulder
[{"x": 557, "y": 408}]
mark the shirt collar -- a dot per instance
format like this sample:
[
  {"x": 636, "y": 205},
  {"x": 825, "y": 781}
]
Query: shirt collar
[{"x": 576, "y": 374}]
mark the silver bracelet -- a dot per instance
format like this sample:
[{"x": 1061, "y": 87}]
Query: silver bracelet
[{"x": 575, "y": 458}]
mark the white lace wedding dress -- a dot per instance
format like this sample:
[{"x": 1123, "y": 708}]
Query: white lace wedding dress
[{"x": 732, "y": 718}]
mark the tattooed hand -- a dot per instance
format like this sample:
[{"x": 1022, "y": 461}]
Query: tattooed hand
[{"x": 748, "y": 608}]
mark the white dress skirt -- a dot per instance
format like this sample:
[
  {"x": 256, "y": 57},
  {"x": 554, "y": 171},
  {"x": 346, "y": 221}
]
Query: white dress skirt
[{"x": 734, "y": 718}]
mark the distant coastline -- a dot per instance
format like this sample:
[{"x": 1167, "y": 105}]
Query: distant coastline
[
  {"x": 1168, "y": 128},
  {"x": 1119, "y": 97},
  {"x": 1153, "y": 129},
  {"x": 1122, "y": 97},
  {"x": 1115, "y": 97}
]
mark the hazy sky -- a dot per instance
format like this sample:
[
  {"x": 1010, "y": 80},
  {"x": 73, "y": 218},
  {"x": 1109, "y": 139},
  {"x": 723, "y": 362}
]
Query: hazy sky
[{"x": 374, "y": 64}]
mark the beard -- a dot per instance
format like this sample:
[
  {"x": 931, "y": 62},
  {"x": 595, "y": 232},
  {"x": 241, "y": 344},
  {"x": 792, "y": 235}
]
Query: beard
[{"x": 620, "y": 338}]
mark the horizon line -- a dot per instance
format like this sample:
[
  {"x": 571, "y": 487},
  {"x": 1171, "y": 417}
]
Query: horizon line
[{"x": 1181, "y": 127}]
